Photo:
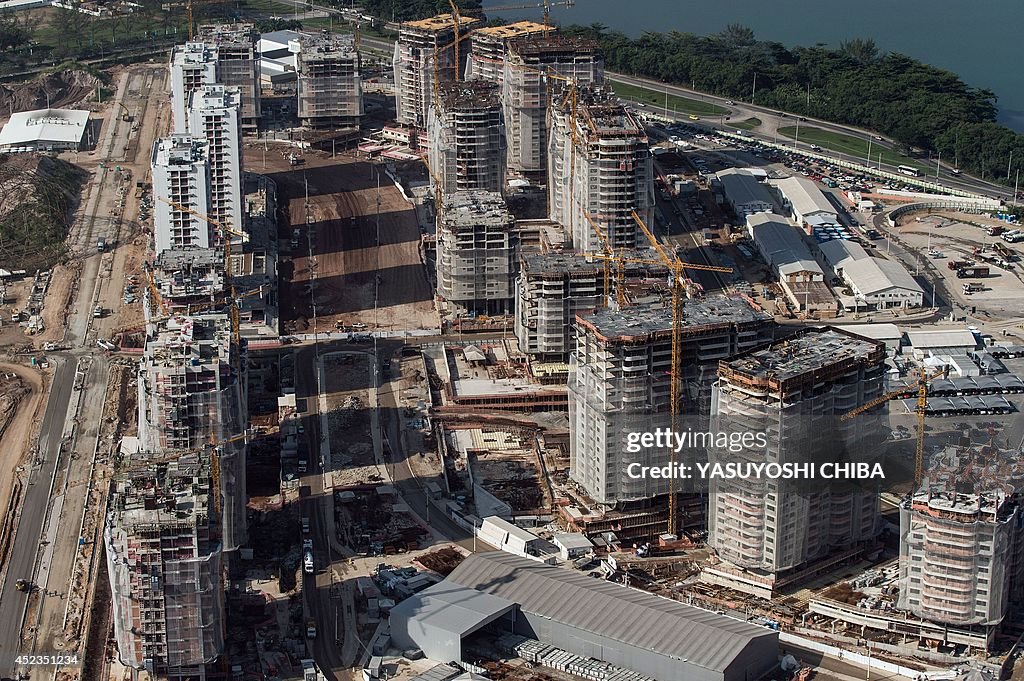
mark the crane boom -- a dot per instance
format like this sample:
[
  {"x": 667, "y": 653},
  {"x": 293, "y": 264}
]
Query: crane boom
[{"x": 921, "y": 388}]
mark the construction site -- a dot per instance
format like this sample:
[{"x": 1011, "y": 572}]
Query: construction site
[{"x": 329, "y": 83}]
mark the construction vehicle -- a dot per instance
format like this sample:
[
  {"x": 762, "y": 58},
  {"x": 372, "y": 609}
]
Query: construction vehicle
[
  {"x": 975, "y": 271},
  {"x": 101, "y": 245},
  {"x": 294, "y": 160},
  {"x": 921, "y": 389}
]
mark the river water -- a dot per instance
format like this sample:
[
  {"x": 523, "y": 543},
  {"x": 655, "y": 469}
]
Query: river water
[{"x": 978, "y": 40}]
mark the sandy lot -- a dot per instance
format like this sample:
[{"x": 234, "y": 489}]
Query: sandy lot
[{"x": 341, "y": 229}]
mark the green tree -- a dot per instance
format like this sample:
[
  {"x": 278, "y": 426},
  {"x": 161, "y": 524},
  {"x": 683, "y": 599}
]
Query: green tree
[{"x": 862, "y": 50}]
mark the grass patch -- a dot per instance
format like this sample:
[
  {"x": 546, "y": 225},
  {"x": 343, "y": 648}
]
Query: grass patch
[
  {"x": 675, "y": 102},
  {"x": 748, "y": 124},
  {"x": 845, "y": 144}
]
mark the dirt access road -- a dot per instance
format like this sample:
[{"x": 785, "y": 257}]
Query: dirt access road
[{"x": 349, "y": 267}]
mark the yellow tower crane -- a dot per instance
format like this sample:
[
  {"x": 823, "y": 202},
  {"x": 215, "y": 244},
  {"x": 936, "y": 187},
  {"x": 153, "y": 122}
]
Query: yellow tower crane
[
  {"x": 678, "y": 288},
  {"x": 457, "y": 20},
  {"x": 921, "y": 388}
]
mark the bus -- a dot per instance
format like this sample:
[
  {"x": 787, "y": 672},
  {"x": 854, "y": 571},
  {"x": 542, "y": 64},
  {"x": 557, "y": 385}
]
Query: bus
[{"x": 909, "y": 170}]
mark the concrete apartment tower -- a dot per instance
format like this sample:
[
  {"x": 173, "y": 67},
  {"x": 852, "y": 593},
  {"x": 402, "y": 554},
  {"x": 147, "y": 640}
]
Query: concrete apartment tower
[
  {"x": 181, "y": 173},
  {"x": 213, "y": 115},
  {"x": 527, "y": 90},
  {"x": 959, "y": 557},
  {"x": 165, "y": 568},
  {"x": 477, "y": 251},
  {"x": 467, "y": 138},
  {"x": 600, "y": 169},
  {"x": 238, "y": 65},
  {"x": 192, "y": 394},
  {"x": 618, "y": 384},
  {"x": 193, "y": 65},
  {"x": 769, "y": 533},
  {"x": 488, "y": 48},
  {"x": 550, "y": 290},
  {"x": 329, "y": 87},
  {"x": 414, "y": 64}
]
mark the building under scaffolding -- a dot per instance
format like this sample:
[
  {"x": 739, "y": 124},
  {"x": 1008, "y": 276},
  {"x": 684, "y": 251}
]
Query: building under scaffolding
[
  {"x": 467, "y": 138},
  {"x": 600, "y": 168},
  {"x": 191, "y": 395},
  {"x": 419, "y": 42},
  {"x": 489, "y": 47},
  {"x": 619, "y": 383},
  {"x": 165, "y": 568},
  {"x": 554, "y": 287},
  {"x": 960, "y": 555},
  {"x": 528, "y": 85},
  {"x": 477, "y": 249},
  {"x": 329, "y": 85},
  {"x": 794, "y": 392}
]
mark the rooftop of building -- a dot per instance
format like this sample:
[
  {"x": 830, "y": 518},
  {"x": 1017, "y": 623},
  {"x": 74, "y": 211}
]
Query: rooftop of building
[
  {"x": 874, "y": 275},
  {"x": 469, "y": 94},
  {"x": 554, "y": 44},
  {"x": 939, "y": 502},
  {"x": 804, "y": 196},
  {"x": 807, "y": 352},
  {"x": 642, "y": 321},
  {"x": 742, "y": 187},
  {"x": 560, "y": 262},
  {"x": 188, "y": 340},
  {"x": 323, "y": 45},
  {"x": 45, "y": 125},
  {"x": 840, "y": 252},
  {"x": 473, "y": 208},
  {"x": 224, "y": 34},
  {"x": 192, "y": 52},
  {"x": 925, "y": 339},
  {"x": 178, "y": 149},
  {"x": 600, "y": 112},
  {"x": 617, "y": 613},
  {"x": 215, "y": 96},
  {"x": 155, "y": 491},
  {"x": 439, "y": 23},
  {"x": 509, "y": 31},
  {"x": 179, "y": 259}
]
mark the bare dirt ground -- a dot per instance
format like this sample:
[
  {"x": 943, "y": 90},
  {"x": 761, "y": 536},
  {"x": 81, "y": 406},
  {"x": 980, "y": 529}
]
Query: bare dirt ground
[
  {"x": 346, "y": 380},
  {"x": 20, "y": 392},
  {"x": 343, "y": 228}
]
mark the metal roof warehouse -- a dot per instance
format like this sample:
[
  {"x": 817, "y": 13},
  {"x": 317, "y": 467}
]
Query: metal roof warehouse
[
  {"x": 44, "y": 130},
  {"x": 632, "y": 629}
]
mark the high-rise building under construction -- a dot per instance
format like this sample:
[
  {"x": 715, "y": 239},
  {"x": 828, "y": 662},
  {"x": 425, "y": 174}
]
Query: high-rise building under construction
[
  {"x": 600, "y": 169},
  {"x": 767, "y": 531},
  {"x": 329, "y": 85},
  {"x": 535, "y": 72},
  {"x": 424, "y": 55},
  {"x": 165, "y": 567},
  {"x": 620, "y": 383},
  {"x": 467, "y": 138}
]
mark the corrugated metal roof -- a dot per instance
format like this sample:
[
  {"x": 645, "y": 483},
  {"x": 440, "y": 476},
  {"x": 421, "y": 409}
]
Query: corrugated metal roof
[
  {"x": 742, "y": 188},
  {"x": 633, "y": 617},
  {"x": 942, "y": 338},
  {"x": 781, "y": 244},
  {"x": 874, "y": 275},
  {"x": 875, "y": 331},
  {"x": 451, "y": 607},
  {"x": 839, "y": 252},
  {"x": 804, "y": 196}
]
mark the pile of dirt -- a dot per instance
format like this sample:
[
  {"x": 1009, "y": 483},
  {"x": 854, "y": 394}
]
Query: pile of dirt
[
  {"x": 57, "y": 90},
  {"x": 38, "y": 195}
]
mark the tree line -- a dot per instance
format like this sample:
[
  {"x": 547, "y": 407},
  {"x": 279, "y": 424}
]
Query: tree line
[{"x": 919, "y": 106}]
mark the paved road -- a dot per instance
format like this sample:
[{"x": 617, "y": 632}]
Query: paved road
[
  {"x": 740, "y": 110},
  {"x": 33, "y": 512},
  {"x": 38, "y": 497}
]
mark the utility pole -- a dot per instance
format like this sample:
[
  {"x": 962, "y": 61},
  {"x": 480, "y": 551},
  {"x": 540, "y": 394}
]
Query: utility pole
[
  {"x": 753, "y": 88},
  {"x": 1008, "y": 164},
  {"x": 938, "y": 162},
  {"x": 869, "y": 152}
]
